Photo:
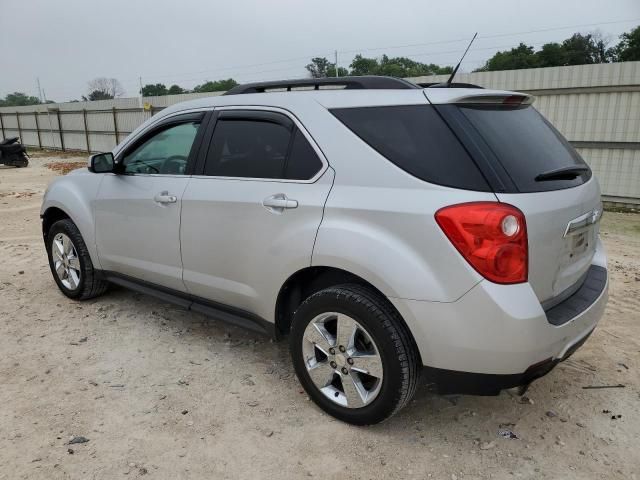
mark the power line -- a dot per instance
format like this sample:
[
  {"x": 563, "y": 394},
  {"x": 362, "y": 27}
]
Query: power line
[
  {"x": 489, "y": 36},
  {"x": 175, "y": 77},
  {"x": 440, "y": 42}
]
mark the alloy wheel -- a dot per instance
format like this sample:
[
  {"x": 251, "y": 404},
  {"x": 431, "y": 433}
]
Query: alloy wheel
[
  {"x": 342, "y": 360},
  {"x": 65, "y": 261}
]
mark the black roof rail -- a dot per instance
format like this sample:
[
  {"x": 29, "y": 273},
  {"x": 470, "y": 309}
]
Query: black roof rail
[
  {"x": 447, "y": 85},
  {"x": 350, "y": 83}
]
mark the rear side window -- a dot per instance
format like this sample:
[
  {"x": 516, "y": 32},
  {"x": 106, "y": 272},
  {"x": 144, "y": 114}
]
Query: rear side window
[
  {"x": 303, "y": 162},
  {"x": 257, "y": 148},
  {"x": 416, "y": 139},
  {"x": 248, "y": 148},
  {"x": 526, "y": 145}
]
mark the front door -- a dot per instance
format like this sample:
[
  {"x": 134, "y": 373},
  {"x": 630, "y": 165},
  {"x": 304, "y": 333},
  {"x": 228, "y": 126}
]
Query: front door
[
  {"x": 249, "y": 220},
  {"x": 137, "y": 210}
]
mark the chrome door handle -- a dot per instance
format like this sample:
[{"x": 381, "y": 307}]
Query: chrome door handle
[
  {"x": 278, "y": 202},
  {"x": 164, "y": 197}
]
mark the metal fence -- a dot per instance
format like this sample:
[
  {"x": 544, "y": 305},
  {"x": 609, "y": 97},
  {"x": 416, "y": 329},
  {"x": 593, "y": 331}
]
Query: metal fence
[{"x": 597, "y": 107}]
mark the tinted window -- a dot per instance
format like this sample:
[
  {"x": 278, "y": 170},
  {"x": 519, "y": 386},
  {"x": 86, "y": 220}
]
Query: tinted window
[
  {"x": 416, "y": 139},
  {"x": 248, "y": 148},
  {"x": 526, "y": 145},
  {"x": 303, "y": 161},
  {"x": 166, "y": 152}
]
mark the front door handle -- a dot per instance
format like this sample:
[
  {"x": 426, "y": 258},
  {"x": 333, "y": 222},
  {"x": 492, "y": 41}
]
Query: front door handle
[
  {"x": 278, "y": 202},
  {"x": 164, "y": 197}
]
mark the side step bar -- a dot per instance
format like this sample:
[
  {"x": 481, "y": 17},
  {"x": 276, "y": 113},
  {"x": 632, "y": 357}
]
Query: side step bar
[{"x": 218, "y": 311}]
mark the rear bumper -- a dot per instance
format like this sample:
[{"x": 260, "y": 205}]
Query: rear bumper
[
  {"x": 451, "y": 381},
  {"x": 497, "y": 330}
]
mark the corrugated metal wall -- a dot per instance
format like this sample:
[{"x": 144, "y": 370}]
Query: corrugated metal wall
[{"x": 597, "y": 107}]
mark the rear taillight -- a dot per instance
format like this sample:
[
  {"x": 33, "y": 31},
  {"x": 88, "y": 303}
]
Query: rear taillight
[{"x": 491, "y": 236}]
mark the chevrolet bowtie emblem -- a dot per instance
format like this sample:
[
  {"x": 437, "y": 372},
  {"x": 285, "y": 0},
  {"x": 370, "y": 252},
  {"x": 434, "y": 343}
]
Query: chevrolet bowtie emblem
[{"x": 583, "y": 221}]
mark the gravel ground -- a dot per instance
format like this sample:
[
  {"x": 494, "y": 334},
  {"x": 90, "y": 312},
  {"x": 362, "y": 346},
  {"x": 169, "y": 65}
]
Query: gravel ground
[{"x": 159, "y": 392}]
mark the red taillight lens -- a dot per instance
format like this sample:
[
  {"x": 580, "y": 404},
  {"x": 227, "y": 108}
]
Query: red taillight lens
[{"x": 491, "y": 236}]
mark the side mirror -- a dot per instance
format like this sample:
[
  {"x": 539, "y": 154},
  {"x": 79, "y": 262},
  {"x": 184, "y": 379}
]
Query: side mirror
[{"x": 102, "y": 163}]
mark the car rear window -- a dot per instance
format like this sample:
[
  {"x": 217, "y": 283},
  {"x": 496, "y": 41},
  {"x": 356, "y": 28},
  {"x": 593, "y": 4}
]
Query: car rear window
[
  {"x": 526, "y": 145},
  {"x": 416, "y": 139}
]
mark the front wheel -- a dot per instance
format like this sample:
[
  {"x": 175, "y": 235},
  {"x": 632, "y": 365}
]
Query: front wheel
[
  {"x": 353, "y": 354},
  {"x": 70, "y": 262}
]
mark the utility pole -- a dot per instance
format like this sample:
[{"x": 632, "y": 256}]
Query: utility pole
[
  {"x": 336, "y": 53},
  {"x": 53, "y": 143},
  {"x": 140, "y": 79},
  {"x": 39, "y": 89}
]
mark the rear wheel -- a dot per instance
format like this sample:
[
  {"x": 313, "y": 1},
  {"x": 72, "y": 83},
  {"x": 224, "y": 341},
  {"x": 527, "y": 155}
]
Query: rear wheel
[
  {"x": 70, "y": 262},
  {"x": 353, "y": 354}
]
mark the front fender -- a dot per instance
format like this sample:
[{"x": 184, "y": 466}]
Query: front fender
[{"x": 75, "y": 195}]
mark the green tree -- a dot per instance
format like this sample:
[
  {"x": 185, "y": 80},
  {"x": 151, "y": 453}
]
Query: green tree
[
  {"x": 364, "y": 66},
  {"x": 104, "y": 89},
  {"x": 628, "y": 50},
  {"x": 395, "y": 67},
  {"x": 97, "y": 95},
  {"x": 156, "y": 90},
  {"x": 217, "y": 86},
  {"x": 176, "y": 90},
  {"x": 551, "y": 55},
  {"x": 17, "y": 99},
  {"x": 585, "y": 49},
  {"x": 319, "y": 67},
  {"x": 522, "y": 56}
]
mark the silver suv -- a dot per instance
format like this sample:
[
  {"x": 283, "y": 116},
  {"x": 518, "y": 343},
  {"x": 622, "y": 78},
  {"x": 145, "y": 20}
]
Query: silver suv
[{"x": 390, "y": 231}]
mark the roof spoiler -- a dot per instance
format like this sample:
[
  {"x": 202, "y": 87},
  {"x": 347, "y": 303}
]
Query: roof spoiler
[{"x": 493, "y": 98}]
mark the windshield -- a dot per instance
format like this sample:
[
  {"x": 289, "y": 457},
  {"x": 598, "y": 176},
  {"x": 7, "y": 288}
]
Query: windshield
[{"x": 526, "y": 145}]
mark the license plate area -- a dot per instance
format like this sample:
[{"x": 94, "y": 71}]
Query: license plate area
[{"x": 579, "y": 243}]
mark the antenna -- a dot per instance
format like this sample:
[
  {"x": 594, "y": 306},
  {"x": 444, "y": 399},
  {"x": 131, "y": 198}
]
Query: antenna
[{"x": 455, "y": 70}]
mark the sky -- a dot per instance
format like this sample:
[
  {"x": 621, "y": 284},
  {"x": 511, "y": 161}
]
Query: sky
[{"x": 66, "y": 43}]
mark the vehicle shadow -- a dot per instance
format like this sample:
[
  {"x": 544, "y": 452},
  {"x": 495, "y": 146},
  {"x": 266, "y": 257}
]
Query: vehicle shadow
[{"x": 479, "y": 417}]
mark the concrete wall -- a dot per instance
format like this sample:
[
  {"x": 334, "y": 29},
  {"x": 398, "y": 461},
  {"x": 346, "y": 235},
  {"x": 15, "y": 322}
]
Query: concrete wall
[{"x": 597, "y": 107}]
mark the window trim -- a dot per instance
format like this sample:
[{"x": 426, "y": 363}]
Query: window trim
[
  {"x": 177, "y": 118},
  {"x": 297, "y": 124}
]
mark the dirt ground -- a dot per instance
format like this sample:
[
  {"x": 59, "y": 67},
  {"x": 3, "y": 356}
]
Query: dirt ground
[{"x": 160, "y": 392}]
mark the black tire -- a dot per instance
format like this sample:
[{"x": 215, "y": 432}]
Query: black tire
[
  {"x": 396, "y": 346},
  {"x": 91, "y": 284}
]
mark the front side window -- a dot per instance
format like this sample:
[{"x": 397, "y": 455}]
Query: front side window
[{"x": 166, "y": 152}]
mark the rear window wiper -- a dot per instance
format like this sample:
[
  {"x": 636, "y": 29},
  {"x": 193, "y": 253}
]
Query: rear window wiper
[{"x": 564, "y": 173}]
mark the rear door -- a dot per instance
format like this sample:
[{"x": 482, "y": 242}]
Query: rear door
[
  {"x": 532, "y": 167},
  {"x": 137, "y": 211},
  {"x": 249, "y": 219}
]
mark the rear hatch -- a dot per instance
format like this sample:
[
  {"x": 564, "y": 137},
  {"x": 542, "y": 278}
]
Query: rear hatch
[{"x": 532, "y": 167}]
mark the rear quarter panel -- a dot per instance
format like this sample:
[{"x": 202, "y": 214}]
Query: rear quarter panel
[{"x": 379, "y": 221}]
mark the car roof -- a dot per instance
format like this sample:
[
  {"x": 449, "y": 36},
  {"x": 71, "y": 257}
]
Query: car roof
[{"x": 339, "y": 98}]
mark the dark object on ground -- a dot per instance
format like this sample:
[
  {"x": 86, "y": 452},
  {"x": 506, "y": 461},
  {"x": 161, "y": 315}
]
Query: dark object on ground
[
  {"x": 78, "y": 439},
  {"x": 507, "y": 434},
  {"x": 13, "y": 153},
  {"x": 593, "y": 387}
]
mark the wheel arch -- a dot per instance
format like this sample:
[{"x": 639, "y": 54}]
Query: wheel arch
[
  {"x": 50, "y": 216},
  {"x": 67, "y": 197},
  {"x": 309, "y": 280}
]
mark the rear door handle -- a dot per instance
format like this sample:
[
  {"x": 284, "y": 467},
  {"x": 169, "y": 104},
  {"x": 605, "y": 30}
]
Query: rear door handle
[
  {"x": 164, "y": 197},
  {"x": 278, "y": 202}
]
